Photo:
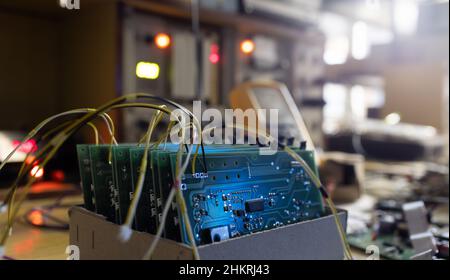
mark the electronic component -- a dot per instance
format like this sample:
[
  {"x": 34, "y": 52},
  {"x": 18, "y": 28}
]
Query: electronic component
[
  {"x": 144, "y": 219},
  {"x": 84, "y": 163},
  {"x": 254, "y": 205},
  {"x": 122, "y": 177},
  {"x": 238, "y": 192},
  {"x": 147, "y": 70},
  {"x": 181, "y": 190},
  {"x": 266, "y": 95},
  {"x": 239, "y": 213},
  {"x": 420, "y": 235},
  {"x": 219, "y": 234},
  {"x": 247, "y": 46},
  {"x": 249, "y": 181},
  {"x": 401, "y": 232},
  {"x": 106, "y": 195},
  {"x": 162, "y": 40}
]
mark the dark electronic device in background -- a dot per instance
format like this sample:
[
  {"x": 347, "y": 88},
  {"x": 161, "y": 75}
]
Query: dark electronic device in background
[
  {"x": 390, "y": 232},
  {"x": 169, "y": 69},
  {"x": 173, "y": 68},
  {"x": 377, "y": 140}
]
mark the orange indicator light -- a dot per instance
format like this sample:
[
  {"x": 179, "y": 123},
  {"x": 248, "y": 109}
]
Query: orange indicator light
[
  {"x": 247, "y": 46},
  {"x": 162, "y": 40}
]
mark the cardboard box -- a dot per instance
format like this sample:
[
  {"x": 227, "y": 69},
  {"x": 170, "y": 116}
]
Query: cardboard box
[{"x": 97, "y": 239}]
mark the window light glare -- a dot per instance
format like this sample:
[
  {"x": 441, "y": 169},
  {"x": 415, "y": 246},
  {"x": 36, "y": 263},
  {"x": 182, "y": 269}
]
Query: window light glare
[
  {"x": 406, "y": 14},
  {"x": 360, "y": 40}
]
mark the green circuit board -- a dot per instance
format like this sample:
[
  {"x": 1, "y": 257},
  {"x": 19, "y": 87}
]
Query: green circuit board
[
  {"x": 145, "y": 219},
  {"x": 235, "y": 190},
  {"x": 391, "y": 246},
  {"x": 122, "y": 176},
  {"x": 84, "y": 164},
  {"x": 105, "y": 192},
  {"x": 163, "y": 186}
]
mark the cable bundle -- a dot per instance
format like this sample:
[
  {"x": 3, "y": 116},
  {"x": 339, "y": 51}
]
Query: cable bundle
[{"x": 185, "y": 156}]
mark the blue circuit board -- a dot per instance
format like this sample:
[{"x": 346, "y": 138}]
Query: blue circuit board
[{"x": 244, "y": 192}]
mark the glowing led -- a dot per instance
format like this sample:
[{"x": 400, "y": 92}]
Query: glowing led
[
  {"x": 162, "y": 40},
  {"x": 30, "y": 159},
  {"x": 214, "y": 48},
  {"x": 214, "y": 56},
  {"x": 58, "y": 175},
  {"x": 147, "y": 70},
  {"x": 26, "y": 147},
  {"x": 247, "y": 46},
  {"x": 37, "y": 172},
  {"x": 36, "y": 217}
]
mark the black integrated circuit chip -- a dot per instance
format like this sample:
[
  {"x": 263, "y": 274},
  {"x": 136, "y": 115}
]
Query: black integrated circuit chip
[{"x": 254, "y": 205}]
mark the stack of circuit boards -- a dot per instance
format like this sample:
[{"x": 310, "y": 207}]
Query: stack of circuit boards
[{"x": 235, "y": 190}]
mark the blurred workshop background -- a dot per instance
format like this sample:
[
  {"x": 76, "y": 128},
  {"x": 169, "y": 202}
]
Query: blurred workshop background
[{"x": 369, "y": 77}]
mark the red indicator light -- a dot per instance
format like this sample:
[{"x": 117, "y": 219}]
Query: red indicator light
[
  {"x": 214, "y": 48},
  {"x": 26, "y": 147},
  {"x": 214, "y": 56},
  {"x": 58, "y": 175}
]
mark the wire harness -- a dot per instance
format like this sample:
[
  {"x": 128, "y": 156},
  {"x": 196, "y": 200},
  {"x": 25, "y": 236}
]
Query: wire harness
[{"x": 57, "y": 132}]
